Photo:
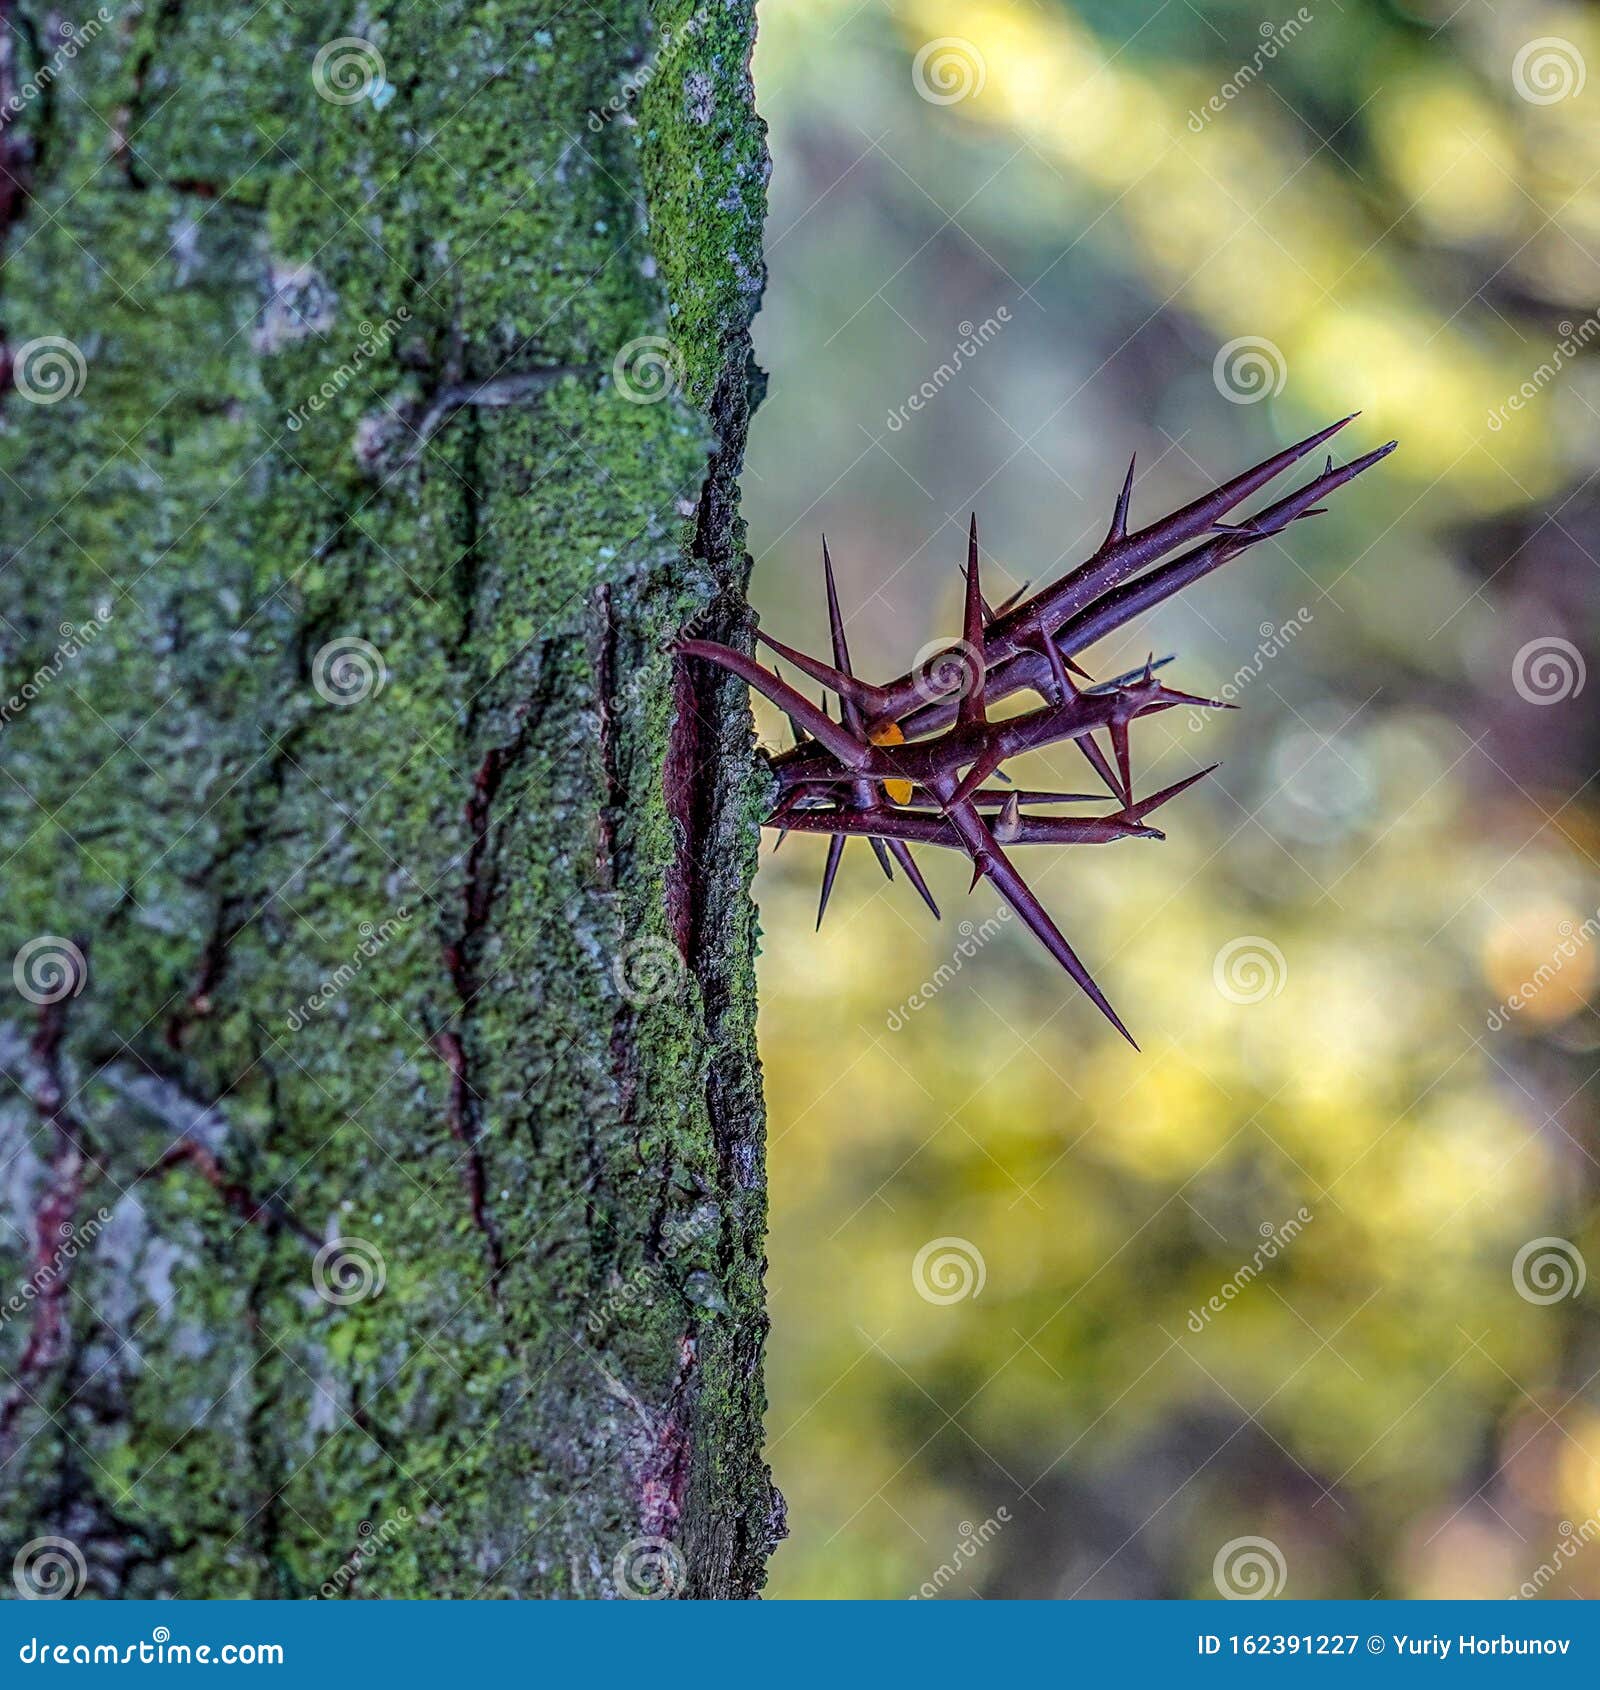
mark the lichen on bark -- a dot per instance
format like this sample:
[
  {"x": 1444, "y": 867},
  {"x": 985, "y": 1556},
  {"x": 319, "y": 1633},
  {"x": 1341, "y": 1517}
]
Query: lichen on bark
[{"x": 462, "y": 968}]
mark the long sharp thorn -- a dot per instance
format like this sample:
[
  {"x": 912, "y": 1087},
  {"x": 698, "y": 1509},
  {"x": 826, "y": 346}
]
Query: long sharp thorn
[
  {"x": 971, "y": 708},
  {"x": 1133, "y": 598},
  {"x": 836, "y": 680},
  {"x": 1097, "y": 761},
  {"x": 1119, "y": 517},
  {"x": 1113, "y": 563},
  {"x": 1137, "y": 812},
  {"x": 1119, "y": 744},
  {"x": 974, "y": 777},
  {"x": 849, "y": 750},
  {"x": 1014, "y": 889},
  {"x": 829, "y": 870},
  {"x": 880, "y": 850},
  {"x": 902, "y": 855}
]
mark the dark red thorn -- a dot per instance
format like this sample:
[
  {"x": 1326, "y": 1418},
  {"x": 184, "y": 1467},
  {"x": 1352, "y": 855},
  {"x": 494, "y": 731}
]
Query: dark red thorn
[
  {"x": 1133, "y": 598},
  {"x": 1119, "y": 744},
  {"x": 852, "y": 691},
  {"x": 880, "y": 850},
  {"x": 783, "y": 833},
  {"x": 829, "y": 870},
  {"x": 971, "y": 710},
  {"x": 1170, "y": 696},
  {"x": 975, "y": 776},
  {"x": 1119, "y": 518},
  {"x": 1137, "y": 812},
  {"x": 979, "y": 869},
  {"x": 902, "y": 855},
  {"x": 1113, "y": 563},
  {"x": 1061, "y": 688},
  {"x": 992, "y": 860},
  {"x": 850, "y": 751},
  {"x": 1097, "y": 761},
  {"x": 922, "y": 800}
]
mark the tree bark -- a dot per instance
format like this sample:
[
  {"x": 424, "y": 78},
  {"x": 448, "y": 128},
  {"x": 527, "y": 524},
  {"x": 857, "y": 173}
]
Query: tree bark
[{"x": 385, "y": 1187}]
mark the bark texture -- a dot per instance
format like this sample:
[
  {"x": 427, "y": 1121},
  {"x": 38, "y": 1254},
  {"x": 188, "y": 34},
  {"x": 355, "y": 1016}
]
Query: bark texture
[{"x": 383, "y": 1198}]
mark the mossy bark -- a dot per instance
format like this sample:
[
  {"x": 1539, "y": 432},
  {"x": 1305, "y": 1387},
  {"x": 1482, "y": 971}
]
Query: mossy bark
[{"x": 438, "y": 945}]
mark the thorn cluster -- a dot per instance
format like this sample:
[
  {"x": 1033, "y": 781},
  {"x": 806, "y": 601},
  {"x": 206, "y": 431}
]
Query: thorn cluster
[{"x": 908, "y": 763}]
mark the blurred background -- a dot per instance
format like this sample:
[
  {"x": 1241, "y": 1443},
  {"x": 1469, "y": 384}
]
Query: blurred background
[{"x": 1298, "y": 1299}]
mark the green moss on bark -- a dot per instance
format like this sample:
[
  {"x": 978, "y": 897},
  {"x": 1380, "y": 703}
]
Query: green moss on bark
[{"x": 461, "y": 969}]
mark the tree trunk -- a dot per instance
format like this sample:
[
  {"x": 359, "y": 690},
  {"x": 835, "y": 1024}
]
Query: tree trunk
[{"x": 384, "y": 1186}]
